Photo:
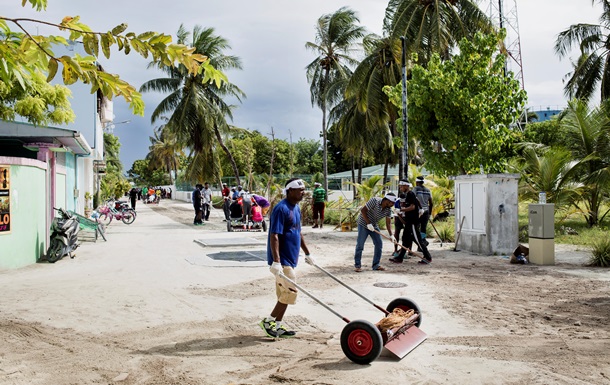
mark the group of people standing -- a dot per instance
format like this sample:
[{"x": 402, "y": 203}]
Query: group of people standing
[{"x": 240, "y": 203}]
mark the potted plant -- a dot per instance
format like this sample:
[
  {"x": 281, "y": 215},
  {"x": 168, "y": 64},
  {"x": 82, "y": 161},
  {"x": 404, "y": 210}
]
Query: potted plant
[{"x": 88, "y": 207}]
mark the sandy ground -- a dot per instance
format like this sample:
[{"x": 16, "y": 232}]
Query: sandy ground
[{"x": 149, "y": 307}]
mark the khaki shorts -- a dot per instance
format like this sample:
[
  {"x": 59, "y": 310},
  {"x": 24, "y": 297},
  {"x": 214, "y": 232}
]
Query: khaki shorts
[{"x": 285, "y": 291}]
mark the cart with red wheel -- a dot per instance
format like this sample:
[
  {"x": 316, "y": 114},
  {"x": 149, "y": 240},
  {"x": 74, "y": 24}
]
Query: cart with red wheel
[{"x": 363, "y": 341}]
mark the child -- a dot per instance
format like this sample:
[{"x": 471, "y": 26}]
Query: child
[{"x": 257, "y": 212}]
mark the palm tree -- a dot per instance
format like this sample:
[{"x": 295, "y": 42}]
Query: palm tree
[
  {"x": 588, "y": 134},
  {"x": 593, "y": 65},
  {"x": 198, "y": 111},
  {"x": 552, "y": 170},
  {"x": 165, "y": 151},
  {"x": 431, "y": 26},
  {"x": 336, "y": 36}
]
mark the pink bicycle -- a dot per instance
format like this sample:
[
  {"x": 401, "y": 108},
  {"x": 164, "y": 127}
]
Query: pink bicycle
[{"x": 107, "y": 213}]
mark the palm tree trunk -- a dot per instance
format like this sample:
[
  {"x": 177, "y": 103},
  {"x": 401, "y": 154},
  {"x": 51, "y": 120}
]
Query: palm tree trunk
[
  {"x": 229, "y": 155},
  {"x": 324, "y": 142},
  {"x": 385, "y": 172},
  {"x": 360, "y": 166},
  {"x": 354, "y": 175},
  {"x": 272, "y": 160}
]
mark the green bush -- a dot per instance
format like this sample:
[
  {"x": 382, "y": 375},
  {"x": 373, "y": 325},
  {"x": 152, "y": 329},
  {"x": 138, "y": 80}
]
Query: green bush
[
  {"x": 445, "y": 231},
  {"x": 601, "y": 253}
]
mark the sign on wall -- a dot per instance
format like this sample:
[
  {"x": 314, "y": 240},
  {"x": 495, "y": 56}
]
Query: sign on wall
[{"x": 5, "y": 199}]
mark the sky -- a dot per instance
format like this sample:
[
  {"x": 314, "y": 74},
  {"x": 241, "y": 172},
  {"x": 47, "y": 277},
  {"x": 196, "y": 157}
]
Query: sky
[{"x": 269, "y": 36}]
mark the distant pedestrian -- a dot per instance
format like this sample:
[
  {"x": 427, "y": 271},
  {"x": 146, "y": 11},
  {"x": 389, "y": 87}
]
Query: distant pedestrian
[
  {"x": 206, "y": 197},
  {"x": 226, "y": 204},
  {"x": 262, "y": 202},
  {"x": 318, "y": 198},
  {"x": 196, "y": 197},
  {"x": 283, "y": 245},
  {"x": 133, "y": 196},
  {"x": 370, "y": 215}
]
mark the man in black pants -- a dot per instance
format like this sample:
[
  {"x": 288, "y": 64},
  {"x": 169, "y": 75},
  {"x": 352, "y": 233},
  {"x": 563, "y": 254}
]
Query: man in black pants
[
  {"x": 133, "y": 195},
  {"x": 411, "y": 232},
  {"x": 196, "y": 197},
  {"x": 425, "y": 199}
]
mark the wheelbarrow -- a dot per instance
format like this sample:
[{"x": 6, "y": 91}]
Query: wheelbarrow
[{"x": 362, "y": 341}]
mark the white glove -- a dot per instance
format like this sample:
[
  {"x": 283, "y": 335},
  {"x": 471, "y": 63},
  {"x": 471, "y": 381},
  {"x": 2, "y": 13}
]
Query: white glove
[
  {"x": 370, "y": 227},
  {"x": 310, "y": 260},
  {"x": 275, "y": 268},
  {"x": 421, "y": 212},
  {"x": 393, "y": 239}
]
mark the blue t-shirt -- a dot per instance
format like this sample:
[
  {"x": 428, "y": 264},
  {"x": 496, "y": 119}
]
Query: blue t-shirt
[{"x": 286, "y": 223}]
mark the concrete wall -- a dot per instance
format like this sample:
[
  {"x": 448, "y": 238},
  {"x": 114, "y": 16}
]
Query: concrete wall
[
  {"x": 488, "y": 206},
  {"x": 25, "y": 244}
]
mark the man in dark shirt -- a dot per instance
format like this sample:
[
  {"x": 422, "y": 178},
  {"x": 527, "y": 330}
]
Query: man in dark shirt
[
  {"x": 411, "y": 232},
  {"x": 196, "y": 197}
]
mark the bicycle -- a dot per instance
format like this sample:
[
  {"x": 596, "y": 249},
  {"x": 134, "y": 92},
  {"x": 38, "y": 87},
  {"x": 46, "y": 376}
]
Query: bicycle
[{"x": 116, "y": 210}]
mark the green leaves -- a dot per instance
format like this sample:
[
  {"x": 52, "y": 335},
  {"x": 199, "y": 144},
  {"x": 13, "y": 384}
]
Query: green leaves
[
  {"x": 52, "y": 69},
  {"x": 461, "y": 109},
  {"x": 38, "y": 5},
  {"x": 21, "y": 56}
]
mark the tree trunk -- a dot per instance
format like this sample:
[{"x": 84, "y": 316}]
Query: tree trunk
[
  {"x": 354, "y": 175},
  {"x": 324, "y": 142},
  {"x": 385, "y": 173},
  {"x": 229, "y": 155},
  {"x": 272, "y": 159},
  {"x": 360, "y": 166}
]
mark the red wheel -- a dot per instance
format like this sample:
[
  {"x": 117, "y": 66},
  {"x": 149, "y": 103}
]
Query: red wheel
[
  {"x": 405, "y": 304},
  {"x": 361, "y": 342}
]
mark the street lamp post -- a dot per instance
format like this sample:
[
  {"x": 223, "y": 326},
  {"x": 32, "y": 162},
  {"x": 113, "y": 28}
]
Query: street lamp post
[
  {"x": 405, "y": 122},
  {"x": 109, "y": 127}
]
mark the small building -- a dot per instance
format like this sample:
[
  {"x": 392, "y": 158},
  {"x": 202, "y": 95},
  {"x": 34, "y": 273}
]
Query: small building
[
  {"x": 43, "y": 167},
  {"x": 487, "y": 213}
]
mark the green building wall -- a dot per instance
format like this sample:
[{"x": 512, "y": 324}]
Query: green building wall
[{"x": 25, "y": 244}]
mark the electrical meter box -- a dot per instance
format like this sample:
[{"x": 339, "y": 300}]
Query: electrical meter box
[{"x": 542, "y": 221}]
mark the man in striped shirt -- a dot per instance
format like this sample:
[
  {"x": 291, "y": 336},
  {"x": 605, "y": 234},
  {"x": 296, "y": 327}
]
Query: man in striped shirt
[{"x": 370, "y": 215}]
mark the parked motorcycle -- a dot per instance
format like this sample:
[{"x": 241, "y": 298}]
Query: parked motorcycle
[{"x": 64, "y": 236}]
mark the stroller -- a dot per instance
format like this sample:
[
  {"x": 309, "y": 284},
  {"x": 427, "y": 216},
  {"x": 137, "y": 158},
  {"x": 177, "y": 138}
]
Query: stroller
[{"x": 251, "y": 220}]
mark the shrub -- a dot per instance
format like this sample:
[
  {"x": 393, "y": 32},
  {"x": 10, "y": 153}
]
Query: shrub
[
  {"x": 446, "y": 232},
  {"x": 601, "y": 253}
]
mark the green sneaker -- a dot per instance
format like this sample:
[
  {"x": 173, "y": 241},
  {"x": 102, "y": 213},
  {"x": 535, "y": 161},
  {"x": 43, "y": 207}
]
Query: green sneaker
[
  {"x": 283, "y": 333},
  {"x": 268, "y": 327}
]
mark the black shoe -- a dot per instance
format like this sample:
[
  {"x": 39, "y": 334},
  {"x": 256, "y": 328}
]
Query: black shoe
[
  {"x": 395, "y": 260},
  {"x": 424, "y": 261},
  {"x": 283, "y": 333},
  {"x": 268, "y": 327}
]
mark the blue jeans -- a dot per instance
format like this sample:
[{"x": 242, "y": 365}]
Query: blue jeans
[{"x": 363, "y": 234}]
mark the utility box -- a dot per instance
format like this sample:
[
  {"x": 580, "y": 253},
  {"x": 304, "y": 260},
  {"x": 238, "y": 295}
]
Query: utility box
[
  {"x": 542, "y": 233},
  {"x": 542, "y": 221},
  {"x": 486, "y": 214}
]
